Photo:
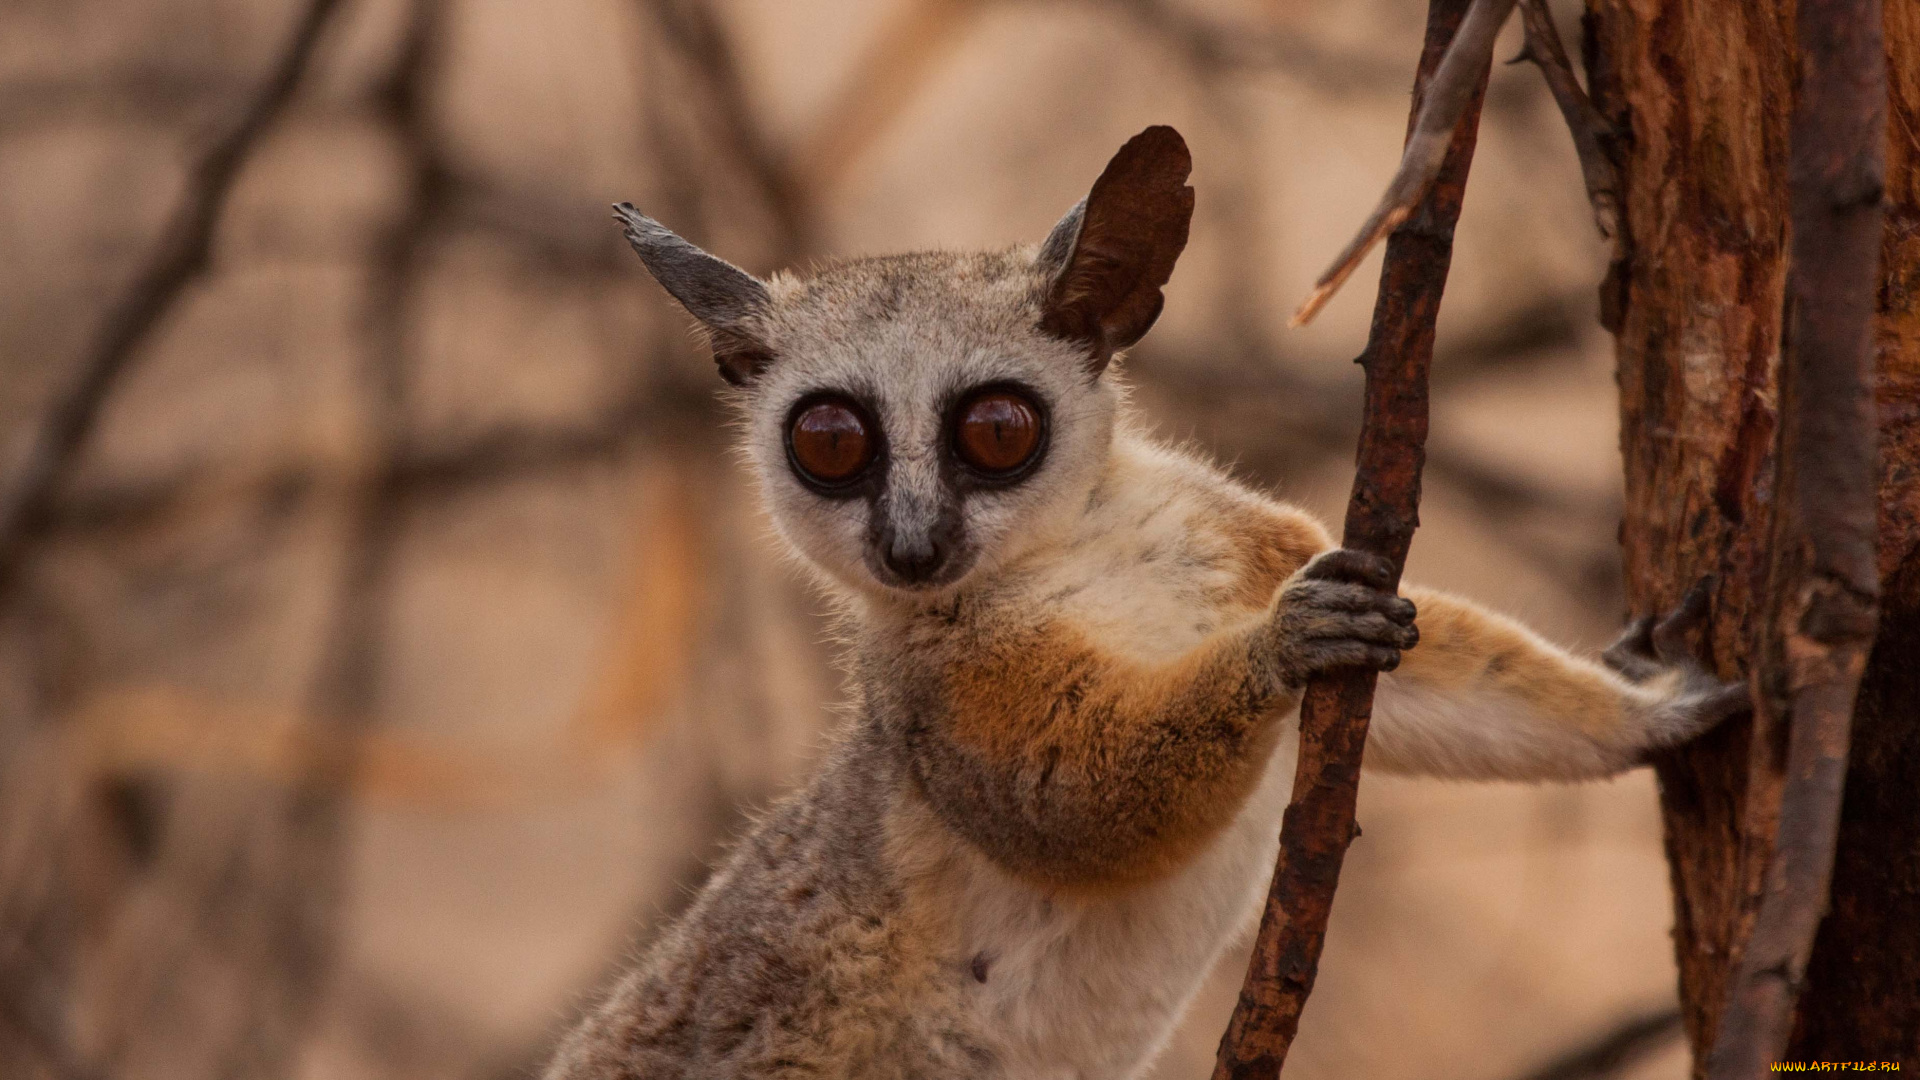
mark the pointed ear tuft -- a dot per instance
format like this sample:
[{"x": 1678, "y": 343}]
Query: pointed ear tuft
[
  {"x": 1109, "y": 257},
  {"x": 727, "y": 300}
]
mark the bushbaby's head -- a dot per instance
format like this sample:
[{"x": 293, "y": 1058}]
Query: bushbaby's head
[{"x": 914, "y": 419}]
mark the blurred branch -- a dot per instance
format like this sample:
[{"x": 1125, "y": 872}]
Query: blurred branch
[
  {"x": 1499, "y": 493},
  {"x": 554, "y": 237},
  {"x": 1613, "y": 1051},
  {"x": 180, "y": 258},
  {"x": 884, "y": 79},
  {"x": 171, "y": 730},
  {"x": 1298, "y": 421},
  {"x": 695, "y": 33},
  {"x": 904, "y": 53},
  {"x": 650, "y": 411},
  {"x": 518, "y": 452},
  {"x": 149, "y": 94},
  {"x": 345, "y": 691},
  {"x": 348, "y": 671},
  {"x": 50, "y": 1051},
  {"x": 1547, "y": 327},
  {"x": 1209, "y": 46}
]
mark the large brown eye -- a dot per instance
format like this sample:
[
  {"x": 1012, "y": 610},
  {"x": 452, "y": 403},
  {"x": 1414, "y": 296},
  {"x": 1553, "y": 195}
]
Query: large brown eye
[
  {"x": 998, "y": 432},
  {"x": 830, "y": 441}
]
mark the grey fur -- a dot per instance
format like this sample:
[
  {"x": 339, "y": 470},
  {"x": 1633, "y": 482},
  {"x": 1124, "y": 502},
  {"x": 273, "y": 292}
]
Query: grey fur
[{"x": 797, "y": 959}]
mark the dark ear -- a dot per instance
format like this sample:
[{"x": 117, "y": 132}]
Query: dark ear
[
  {"x": 1111, "y": 254},
  {"x": 727, "y": 300}
]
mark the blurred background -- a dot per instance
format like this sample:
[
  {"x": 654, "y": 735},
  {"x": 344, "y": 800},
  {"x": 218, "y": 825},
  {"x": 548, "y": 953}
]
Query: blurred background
[{"x": 388, "y": 640}]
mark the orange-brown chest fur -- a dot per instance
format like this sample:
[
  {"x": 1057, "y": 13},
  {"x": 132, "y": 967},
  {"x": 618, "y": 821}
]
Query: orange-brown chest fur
[{"x": 1112, "y": 655}]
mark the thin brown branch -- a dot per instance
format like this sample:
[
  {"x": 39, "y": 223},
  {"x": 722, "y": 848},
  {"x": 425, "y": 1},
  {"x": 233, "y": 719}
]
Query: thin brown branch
[
  {"x": 550, "y": 237},
  {"x": 1456, "y": 86},
  {"x": 51, "y": 1052},
  {"x": 1381, "y": 516},
  {"x": 1590, "y": 130},
  {"x": 1613, "y": 1051},
  {"x": 179, "y": 259},
  {"x": 345, "y": 689},
  {"x": 652, "y": 412},
  {"x": 1823, "y": 583}
]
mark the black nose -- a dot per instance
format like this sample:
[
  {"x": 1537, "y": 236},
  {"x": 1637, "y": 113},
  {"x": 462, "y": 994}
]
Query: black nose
[{"x": 915, "y": 560}]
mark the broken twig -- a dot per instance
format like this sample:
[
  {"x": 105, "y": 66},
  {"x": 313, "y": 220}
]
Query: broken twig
[
  {"x": 695, "y": 33},
  {"x": 1588, "y": 127},
  {"x": 1455, "y": 86},
  {"x": 1823, "y": 584},
  {"x": 1381, "y": 517}
]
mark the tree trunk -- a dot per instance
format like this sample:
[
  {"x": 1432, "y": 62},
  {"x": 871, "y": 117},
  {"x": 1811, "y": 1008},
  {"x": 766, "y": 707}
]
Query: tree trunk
[{"x": 1699, "y": 93}]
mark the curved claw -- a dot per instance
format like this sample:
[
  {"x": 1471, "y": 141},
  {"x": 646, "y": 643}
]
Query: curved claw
[
  {"x": 1652, "y": 644},
  {"x": 1351, "y": 564},
  {"x": 1631, "y": 654},
  {"x": 1731, "y": 699},
  {"x": 1670, "y": 634}
]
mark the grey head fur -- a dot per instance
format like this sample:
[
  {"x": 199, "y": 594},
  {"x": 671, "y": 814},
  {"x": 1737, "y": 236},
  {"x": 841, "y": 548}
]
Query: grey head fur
[{"x": 907, "y": 341}]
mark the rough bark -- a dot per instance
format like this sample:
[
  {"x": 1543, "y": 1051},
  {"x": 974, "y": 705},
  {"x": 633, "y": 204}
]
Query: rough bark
[
  {"x": 1381, "y": 517},
  {"x": 1700, "y": 93}
]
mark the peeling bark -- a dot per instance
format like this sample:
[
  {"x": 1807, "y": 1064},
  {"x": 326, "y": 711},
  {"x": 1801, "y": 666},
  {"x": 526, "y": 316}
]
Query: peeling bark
[{"x": 1823, "y": 588}]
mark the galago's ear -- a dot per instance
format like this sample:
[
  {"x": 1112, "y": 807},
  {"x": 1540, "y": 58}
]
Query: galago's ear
[
  {"x": 1108, "y": 258},
  {"x": 727, "y": 300}
]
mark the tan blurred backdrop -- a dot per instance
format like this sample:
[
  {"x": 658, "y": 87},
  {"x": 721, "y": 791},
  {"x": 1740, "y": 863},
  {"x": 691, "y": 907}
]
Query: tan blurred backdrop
[{"x": 400, "y": 642}]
